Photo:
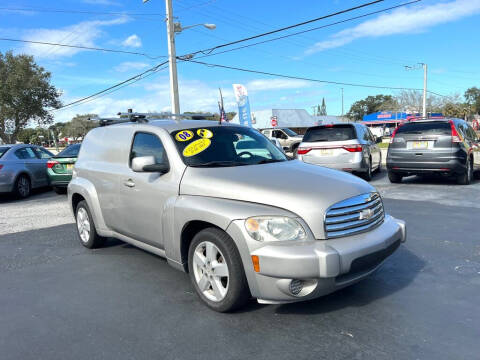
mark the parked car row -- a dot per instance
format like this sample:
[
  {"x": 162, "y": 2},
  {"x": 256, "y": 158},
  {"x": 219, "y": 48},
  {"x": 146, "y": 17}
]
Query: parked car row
[
  {"x": 448, "y": 147},
  {"x": 24, "y": 167}
]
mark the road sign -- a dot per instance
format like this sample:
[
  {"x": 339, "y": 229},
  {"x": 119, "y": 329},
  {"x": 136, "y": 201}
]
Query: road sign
[{"x": 274, "y": 121}]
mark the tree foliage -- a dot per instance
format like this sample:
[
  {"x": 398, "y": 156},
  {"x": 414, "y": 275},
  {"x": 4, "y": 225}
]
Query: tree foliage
[
  {"x": 25, "y": 93},
  {"x": 370, "y": 105},
  {"x": 472, "y": 97},
  {"x": 79, "y": 126}
]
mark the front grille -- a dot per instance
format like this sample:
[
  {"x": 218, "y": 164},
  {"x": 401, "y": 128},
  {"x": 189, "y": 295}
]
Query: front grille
[{"x": 354, "y": 215}]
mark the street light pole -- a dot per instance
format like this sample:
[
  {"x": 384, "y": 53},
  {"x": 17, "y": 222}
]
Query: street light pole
[
  {"x": 424, "y": 110},
  {"x": 172, "y": 59}
]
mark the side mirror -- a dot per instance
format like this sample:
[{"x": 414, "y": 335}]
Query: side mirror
[{"x": 148, "y": 164}]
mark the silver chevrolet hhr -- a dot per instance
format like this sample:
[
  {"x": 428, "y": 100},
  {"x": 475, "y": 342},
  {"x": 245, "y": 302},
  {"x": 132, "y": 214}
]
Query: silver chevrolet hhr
[{"x": 242, "y": 224}]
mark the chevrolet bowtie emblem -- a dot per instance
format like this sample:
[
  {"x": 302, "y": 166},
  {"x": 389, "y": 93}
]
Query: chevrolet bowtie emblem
[{"x": 365, "y": 214}]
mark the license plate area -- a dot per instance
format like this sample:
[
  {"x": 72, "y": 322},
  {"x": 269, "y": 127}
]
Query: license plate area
[
  {"x": 419, "y": 144},
  {"x": 324, "y": 152},
  {"x": 69, "y": 166}
]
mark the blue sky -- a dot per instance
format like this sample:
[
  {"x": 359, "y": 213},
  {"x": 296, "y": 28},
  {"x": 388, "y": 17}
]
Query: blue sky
[{"x": 371, "y": 50}]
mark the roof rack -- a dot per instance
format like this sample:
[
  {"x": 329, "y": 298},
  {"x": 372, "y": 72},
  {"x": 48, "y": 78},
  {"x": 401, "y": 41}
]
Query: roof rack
[{"x": 143, "y": 118}]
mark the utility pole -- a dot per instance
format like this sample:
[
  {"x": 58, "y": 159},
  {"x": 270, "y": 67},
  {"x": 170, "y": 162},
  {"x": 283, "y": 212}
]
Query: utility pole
[
  {"x": 172, "y": 58},
  {"x": 342, "y": 102},
  {"x": 424, "y": 110}
]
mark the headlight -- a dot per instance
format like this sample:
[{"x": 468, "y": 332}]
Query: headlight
[{"x": 274, "y": 228}]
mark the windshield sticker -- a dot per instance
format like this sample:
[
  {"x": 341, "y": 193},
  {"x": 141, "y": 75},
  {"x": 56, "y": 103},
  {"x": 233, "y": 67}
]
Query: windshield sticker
[
  {"x": 204, "y": 133},
  {"x": 184, "y": 135},
  {"x": 196, "y": 147}
]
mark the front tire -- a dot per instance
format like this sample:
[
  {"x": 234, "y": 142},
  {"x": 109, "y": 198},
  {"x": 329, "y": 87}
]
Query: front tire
[
  {"x": 86, "y": 227},
  {"x": 216, "y": 270}
]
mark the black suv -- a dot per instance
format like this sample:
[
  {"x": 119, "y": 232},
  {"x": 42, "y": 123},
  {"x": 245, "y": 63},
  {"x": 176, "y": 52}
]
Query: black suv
[{"x": 446, "y": 146}]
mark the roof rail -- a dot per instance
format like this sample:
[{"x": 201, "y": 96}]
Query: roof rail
[{"x": 145, "y": 117}]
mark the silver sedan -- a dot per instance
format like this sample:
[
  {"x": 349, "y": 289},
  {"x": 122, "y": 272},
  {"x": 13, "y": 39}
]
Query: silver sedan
[{"x": 23, "y": 168}]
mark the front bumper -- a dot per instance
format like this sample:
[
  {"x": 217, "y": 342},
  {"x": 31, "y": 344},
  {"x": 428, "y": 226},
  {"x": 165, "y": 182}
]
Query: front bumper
[{"x": 324, "y": 266}]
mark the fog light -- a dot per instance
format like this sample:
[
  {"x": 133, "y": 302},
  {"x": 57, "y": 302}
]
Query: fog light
[{"x": 296, "y": 286}]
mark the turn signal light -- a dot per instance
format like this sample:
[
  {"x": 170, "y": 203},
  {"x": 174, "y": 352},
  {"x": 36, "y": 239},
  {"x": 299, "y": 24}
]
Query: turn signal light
[
  {"x": 303, "y": 151},
  {"x": 52, "y": 163},
  {"x": 256, "y": 263}
]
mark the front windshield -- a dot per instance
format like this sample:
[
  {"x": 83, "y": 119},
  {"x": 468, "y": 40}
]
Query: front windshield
[
  {"x": 290, "y": 132},
  {"x": 225, "y": 146}
]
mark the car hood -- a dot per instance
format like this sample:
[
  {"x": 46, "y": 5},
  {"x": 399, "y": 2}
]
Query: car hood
[{"x": 304, "y": 189}]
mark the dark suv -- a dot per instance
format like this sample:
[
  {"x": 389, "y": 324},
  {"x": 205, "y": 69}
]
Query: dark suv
[{"x": 446, "y": 146}]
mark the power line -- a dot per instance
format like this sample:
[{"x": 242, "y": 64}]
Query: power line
[
  {"x": 129, "y": 80},
  {"x": 305, "y": 31},
  {"x": 83, "y": 47},
  {"x": 305, "y": 78},
  {"x": 287, "y": 27}
]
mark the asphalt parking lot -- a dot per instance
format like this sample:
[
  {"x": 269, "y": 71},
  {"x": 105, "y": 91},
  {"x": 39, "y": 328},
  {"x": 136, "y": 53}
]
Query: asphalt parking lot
[{"x": 59, "y": 300}]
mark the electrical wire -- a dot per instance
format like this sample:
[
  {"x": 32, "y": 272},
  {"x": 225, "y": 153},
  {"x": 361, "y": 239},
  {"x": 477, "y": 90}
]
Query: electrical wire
[
  {"x": 118, "y": 85},
  {"x": 306, "y": 78},
  {"x": 84, "y": 47},
  {"x": 287, "y": 27},
  {"x": 304, "y": 31}
]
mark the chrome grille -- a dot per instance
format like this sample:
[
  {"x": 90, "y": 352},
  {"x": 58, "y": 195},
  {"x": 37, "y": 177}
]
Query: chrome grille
[{"x": 354, "y": 215}]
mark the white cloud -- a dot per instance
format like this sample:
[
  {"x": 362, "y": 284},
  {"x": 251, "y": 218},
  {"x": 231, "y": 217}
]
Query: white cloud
[
  {"x": 276, "y": 84},
  {"x": 402, "y": 21},
  {"x": 130, "y": 65},
  {"x": 81, "y": 34},
  {"x": 132, "y": 41},
  {"x": 195, "y": 95}
]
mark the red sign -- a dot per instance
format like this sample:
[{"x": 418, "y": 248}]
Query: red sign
[{"x": 274, "y": 121}]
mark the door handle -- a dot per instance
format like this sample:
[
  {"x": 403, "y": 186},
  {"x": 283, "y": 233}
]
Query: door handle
[{"x": 129, "y": 183}]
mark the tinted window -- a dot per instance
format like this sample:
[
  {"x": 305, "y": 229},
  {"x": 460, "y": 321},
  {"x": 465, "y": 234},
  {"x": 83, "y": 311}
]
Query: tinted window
[
  {"x": 279, "y": 134},
  {"x": 330, "y": 133},
  {"x": 290, "y": 132},
  {"x": 145, "y": 144},
  {"x": 71, "y": 151},
  {"x": 225, "y": 146},
  {"x": 42, "y": 153},
  {"x": 3, "y": 150},
  {"x": 25, "y": 153},
  {"x": 433, "y": 128}
]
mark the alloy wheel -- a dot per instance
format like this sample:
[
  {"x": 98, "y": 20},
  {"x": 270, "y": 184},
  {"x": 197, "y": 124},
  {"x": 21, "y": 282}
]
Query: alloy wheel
[
  {"x": 83, "y": 224},
  {"x": 211, "y": 271},
  {"x": 23, "y": 186}
]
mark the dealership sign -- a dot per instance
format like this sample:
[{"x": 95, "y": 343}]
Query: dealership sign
[
  {"x": 274, "y": 121},
  {"x": 241, "y": 96}
]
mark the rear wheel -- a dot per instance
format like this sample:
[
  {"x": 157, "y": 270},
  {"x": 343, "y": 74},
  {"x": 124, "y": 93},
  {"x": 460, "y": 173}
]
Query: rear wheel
[
  {"x": 23, "y": 186},
  {"x": 86, "y": 227},
  {"x": 368, "y": 174},
  {"x": 466, "y": 177},
  {"x": 394, "y": 177},
  {"x": 216, "y": 270}
]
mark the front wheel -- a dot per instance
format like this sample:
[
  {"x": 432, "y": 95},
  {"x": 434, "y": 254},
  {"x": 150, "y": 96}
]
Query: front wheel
[
  {"x": 86, "y": 227},
  {"x": 216, "y": 270}
]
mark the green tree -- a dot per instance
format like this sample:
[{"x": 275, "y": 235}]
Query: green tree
[
  {"x": 79, "y": 126},
  {"x": 323, "y": 109},
  {"x": 370, "y": 105},
  {"x": 25, "y": 94},
  {"x": 472, "y": 97}
]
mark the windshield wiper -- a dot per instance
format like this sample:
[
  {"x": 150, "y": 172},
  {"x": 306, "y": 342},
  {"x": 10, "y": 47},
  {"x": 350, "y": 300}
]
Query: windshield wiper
[
  {"x": 219, "y": 163},
  {"x": 266, "y": 161}
]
